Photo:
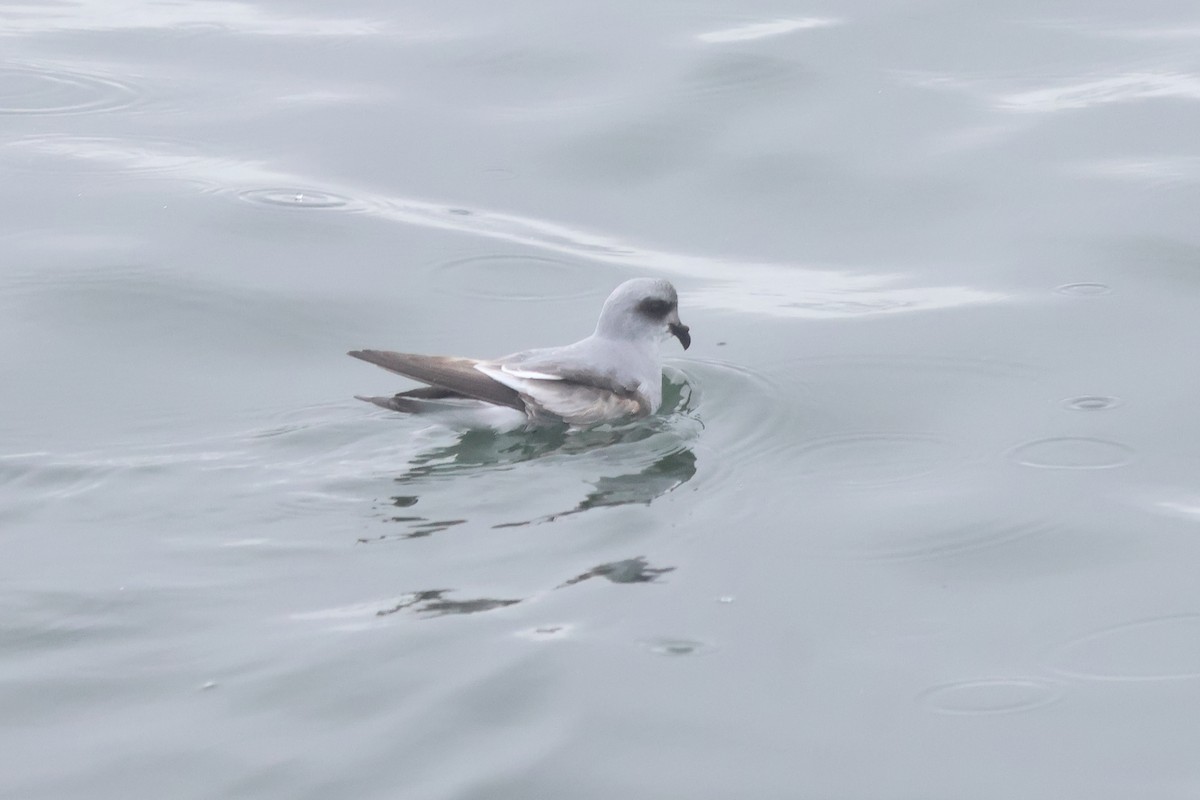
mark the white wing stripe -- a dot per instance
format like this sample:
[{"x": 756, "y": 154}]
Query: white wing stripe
[{"x": 530, "y": 374}]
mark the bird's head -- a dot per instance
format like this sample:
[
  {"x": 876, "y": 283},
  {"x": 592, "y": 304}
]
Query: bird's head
[{"x": 643, "y": 308}]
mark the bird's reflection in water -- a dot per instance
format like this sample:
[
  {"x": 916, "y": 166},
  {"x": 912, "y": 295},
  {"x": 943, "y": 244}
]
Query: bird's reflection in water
[
  {"x": 650, "y": 458},
  {"x": 669, "y": 472},
  {"x": 630, "y": 570},
  {"x": 435, "y": 603},
  {"x": 663, "y": 439}
]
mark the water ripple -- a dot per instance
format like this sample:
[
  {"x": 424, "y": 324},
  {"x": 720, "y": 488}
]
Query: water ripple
[
  {"x": 763, "y": 30},
  {"x": 870, "y": 459},
  {"x": 1072, "y": 452},
  {"x": 48, "y": 90},
  {"x": 291, "y": 197},
  {"x": 1084, "y": 289},
  {"x": 522, "y": 277},
  {"x": 775, "y": 289},
  {"x": 88, "y": 16},
  {"x": 744, "y": 405},
  {"x": 1116, "y": 89},
  {"x": 1132, "y": 86},
  {"x": 900, "y": 540},
  {"x": 991, "y": 696},
  {"x": 1153, "y": 649},
  {"x": 740, "y": 76},
  {"x": 1092, "y": 402},
  {"x": 60, "y": 153}
]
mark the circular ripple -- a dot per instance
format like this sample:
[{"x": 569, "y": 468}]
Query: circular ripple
[
  {"x": 907, "y": 363},
  {"x": 875, "y": 458},
  {"x": 46, "y": 90},
  {"x": 890, "y": 382},
  {"x": 1092, "y": 402},
  {"x": 522, "y": 277},
  {"x": 295, "y": 198},
  {"x": 1086, "y": 289},
  {"x": 76, "y": 154},
  {"x": 1155, "y": 649},
  {"x": 991, "y": 696},
  {"x": 1069, "y": 452},
  {"x": 925, "y": 539},
  {"x": 742, "y": 409}
]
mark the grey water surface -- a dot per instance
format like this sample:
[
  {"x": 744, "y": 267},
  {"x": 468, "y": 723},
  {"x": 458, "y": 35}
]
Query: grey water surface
[{"x": 920, "y": 517}]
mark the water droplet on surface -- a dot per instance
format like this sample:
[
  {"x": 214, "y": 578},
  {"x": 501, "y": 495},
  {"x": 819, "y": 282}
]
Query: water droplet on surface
[{"x": 295, "y": 198}]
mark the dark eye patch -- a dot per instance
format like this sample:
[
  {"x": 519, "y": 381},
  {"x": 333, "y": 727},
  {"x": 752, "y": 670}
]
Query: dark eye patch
[{"x": 655, "y": 307}]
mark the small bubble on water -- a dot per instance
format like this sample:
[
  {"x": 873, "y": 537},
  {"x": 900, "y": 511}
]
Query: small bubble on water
[
  {"x": 1087, "y": 289},
  {"x": 1092, "y": 402},
  {"x": 676, "y": 647}
]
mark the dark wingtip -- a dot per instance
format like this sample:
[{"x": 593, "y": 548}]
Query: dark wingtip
[{"x": 369, "y": 356}]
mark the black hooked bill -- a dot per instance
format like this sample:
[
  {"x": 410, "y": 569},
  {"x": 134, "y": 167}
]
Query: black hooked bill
[{"x": 681, "y": 332}]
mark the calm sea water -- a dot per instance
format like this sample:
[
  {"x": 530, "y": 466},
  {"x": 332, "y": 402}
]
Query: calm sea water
[{"x": 921, "y": 517}]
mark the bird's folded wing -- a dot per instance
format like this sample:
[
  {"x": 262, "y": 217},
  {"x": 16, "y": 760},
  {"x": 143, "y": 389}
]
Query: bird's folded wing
[
  {"x": 575, "y": 402},
  {"x": 457, "y": 375}
]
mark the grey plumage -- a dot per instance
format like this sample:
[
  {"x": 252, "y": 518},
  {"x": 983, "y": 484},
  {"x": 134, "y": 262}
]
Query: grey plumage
[{"x": 613, "y": 374}]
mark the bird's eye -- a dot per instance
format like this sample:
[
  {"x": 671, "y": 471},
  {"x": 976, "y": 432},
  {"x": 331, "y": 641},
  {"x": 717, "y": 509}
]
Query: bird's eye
[{"x": 654, "y": 307}]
